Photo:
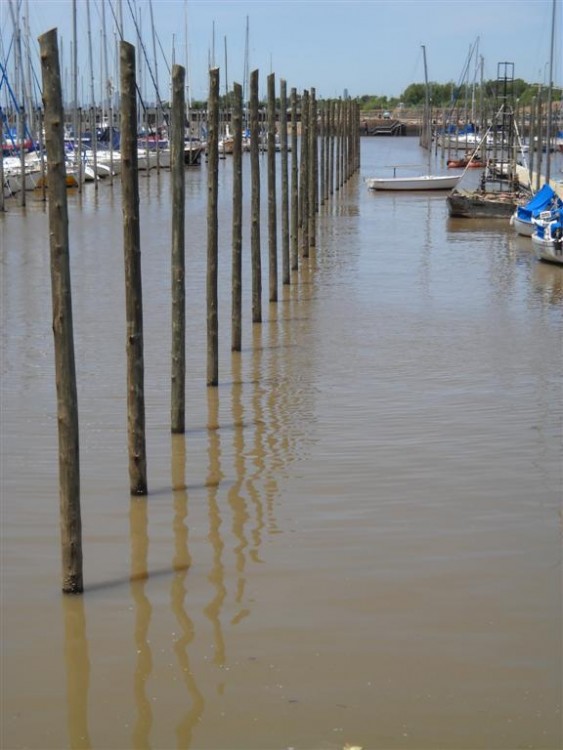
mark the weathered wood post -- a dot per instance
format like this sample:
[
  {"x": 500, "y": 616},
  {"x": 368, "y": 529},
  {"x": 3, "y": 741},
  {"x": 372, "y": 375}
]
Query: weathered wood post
[
  {"x": 322, "y": 168},
  {"x": 332, "y": 135},
  {"x": 213, "y": 230},
  {"x": 304, "y": 175},
  {"x": 284, "y": 183},
  {"x": 236, "y": 304},
  {"x": 21, "y": 138},
  {"x": 312, "y": 171},
  {"x": 41, "y": 156},
  {"x": 178, "y": 178},
  {"x": 255, "y": 200},
  {"x": 65, "y": 373},
  {"x": 338, "y": 164},
  {"x": 272, "y": 202},
  {"x": 294, "y": 250},
  {"x": 133, "y": 282}
]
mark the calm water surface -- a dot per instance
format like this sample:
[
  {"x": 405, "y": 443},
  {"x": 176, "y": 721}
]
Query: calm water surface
[{"x": 358, "y": 540}]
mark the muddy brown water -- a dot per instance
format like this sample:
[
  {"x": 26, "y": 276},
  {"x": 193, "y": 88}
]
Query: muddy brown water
[{"x": 358, "y": 539}]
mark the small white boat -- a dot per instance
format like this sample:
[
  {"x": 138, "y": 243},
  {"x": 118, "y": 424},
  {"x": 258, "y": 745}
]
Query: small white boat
[
  {"x": 547, "y": 238},
  {"x": 423, "y": 182}
]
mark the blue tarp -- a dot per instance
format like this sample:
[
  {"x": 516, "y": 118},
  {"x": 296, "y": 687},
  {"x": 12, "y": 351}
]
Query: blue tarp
[{"x": 543, "y": 200}]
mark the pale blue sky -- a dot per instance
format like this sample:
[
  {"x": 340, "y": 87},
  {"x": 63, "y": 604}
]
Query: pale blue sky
[{"x": 364, "y": 46}]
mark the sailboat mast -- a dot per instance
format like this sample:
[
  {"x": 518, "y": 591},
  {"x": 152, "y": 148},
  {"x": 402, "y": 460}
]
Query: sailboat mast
[
  {"x": 550, "y": 98},
  {"x": 425, "y": 130}
]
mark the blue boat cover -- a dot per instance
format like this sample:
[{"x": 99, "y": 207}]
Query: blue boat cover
[{"x": 543, "y": 200}]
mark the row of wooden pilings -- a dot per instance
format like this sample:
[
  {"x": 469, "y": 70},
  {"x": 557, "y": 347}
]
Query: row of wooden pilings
[{"x": 328, "y": 156}]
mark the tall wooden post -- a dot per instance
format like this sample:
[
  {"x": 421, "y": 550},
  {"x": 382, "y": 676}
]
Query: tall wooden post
[
  {"x": 272, "y": 223},
  {"x": 304, "y": 175},
  {"x": 284, "y": 183},
  {"x": 178, "y": 176},
  {"x": 67, "y": 402},
  {"x": 133, "y": 284},
  {"x": 21, "y": 137},
  {"x": 322, "y": 169},
  {"x": 338, "y": 180},
  {"x": 255, "y": 200},
  {"x": 313, "y": 166},
  {"x": 294, "y": 249},
  {"x": 236, "y": 305},
  {"x": 212, "y": 229}
]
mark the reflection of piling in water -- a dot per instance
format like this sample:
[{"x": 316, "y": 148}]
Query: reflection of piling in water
[
  {"x": 258, "y": 452},
  {"x": 138, "y": 520},
  {"x": 274, "y": 430},
  {"x": 77, "y": 671},
  {"x": 236, "y": 500},
  {"x": 178, "y": 590},
  {"x": 217, "y": 574}
]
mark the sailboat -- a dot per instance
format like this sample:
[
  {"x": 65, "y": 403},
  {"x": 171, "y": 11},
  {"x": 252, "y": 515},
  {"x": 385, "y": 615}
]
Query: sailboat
[
  {"x": 418, "y": 182},
  {"x": 547, "y": 237},
  {"x": 544, "y": 201},
  {"x": 500, "y": 190}
]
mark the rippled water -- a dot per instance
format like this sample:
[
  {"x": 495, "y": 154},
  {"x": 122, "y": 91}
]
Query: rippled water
[{"x": 358, "y": 540}]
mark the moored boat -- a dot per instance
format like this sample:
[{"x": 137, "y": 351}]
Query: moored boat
[
  {"x": 547, "y": 238},
  {"x": 468, "y": 162},
  {"x": 483, "y": 204},
  {"x": 545, "y": 200},
  {"x": 422, "y": 182}
]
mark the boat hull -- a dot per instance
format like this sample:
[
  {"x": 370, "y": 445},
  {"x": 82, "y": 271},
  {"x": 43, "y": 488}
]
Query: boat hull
[
  {"x": 425, "y": 182},
  {"x": 523, "y": 228},
  {"x": 482, "y": 205},
  {"x": 550, "y": 251}
]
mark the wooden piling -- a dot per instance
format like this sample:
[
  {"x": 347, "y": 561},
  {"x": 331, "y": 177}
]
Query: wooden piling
[
  {"x": 338, "y": 134},
  {"x": 21, "y": 136},
  {"x": 178, "y": 179},
  {"x": 236, "y": 305},
  {"x": 65, "y": 373},
  {"x": 133, "y": 284},
  {"x": 212, "y": 229},
  {"x": 312, "y": 170},
  {"x": 322, "y": 160},
  {"x": 255, "y": 200},
  {"x": 272, "y": 201},
  {"x": 284, "y": 183},
  {"x": 304, "y": 175},
  {"x": 331, "y": 145},
  {"x": 41, "y": 157},
  {"x": 294, "y": 249}
]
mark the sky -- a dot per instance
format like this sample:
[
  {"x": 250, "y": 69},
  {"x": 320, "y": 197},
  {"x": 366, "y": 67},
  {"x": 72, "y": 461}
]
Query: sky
[{"x": 336, "y": 46}]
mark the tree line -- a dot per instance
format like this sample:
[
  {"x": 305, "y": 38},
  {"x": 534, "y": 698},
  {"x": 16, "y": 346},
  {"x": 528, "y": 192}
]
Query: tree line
[
  {"x": 442, "y": 95},
  {"x": 449, "y": 94}
]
